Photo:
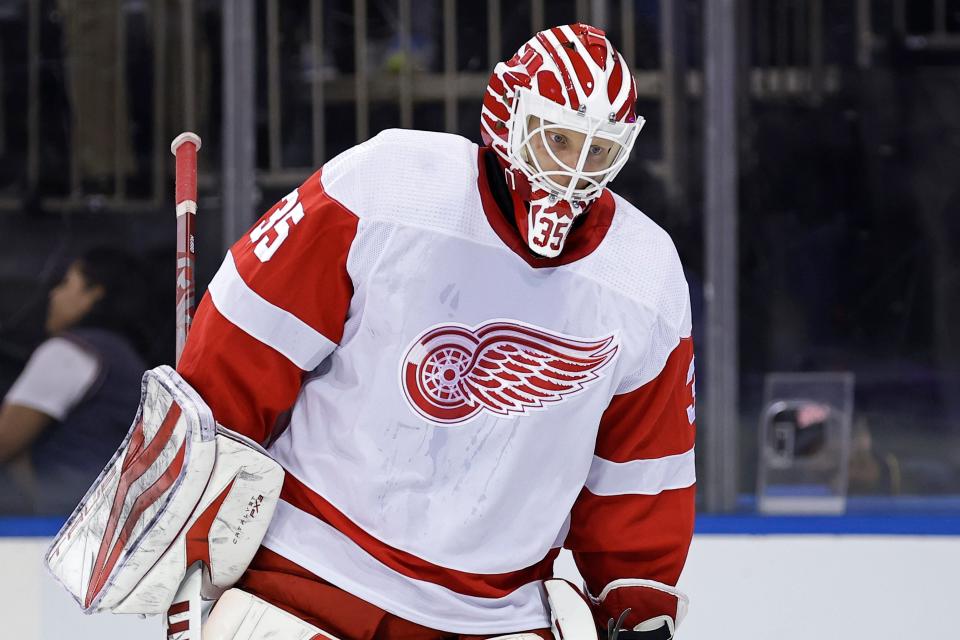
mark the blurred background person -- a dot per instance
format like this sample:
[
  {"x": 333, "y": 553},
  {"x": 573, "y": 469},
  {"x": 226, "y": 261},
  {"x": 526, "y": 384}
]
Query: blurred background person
[{"x": 72, "y": 404}]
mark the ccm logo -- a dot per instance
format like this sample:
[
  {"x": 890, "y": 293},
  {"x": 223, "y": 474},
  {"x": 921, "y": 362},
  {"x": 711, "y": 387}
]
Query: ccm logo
[{"x": 249, "y": 513}]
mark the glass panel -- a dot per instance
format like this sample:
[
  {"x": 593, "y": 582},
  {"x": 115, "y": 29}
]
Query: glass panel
[
  {"x": 805, "y": 443},
  {"x": 848, "y": 229}
]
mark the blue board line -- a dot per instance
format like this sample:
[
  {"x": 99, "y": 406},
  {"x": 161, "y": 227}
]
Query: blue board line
[
  {"x": 874, "y": 524},
  {"x": 741, "y": 524}
]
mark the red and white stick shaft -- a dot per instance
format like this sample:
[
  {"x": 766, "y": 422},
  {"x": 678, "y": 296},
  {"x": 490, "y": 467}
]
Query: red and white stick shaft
[
  {"x": 185, "y": 147},
  {"x": 185, "y": 616}
]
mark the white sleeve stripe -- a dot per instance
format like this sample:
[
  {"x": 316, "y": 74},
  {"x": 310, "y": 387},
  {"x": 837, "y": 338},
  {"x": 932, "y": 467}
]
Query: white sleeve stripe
[
  {"x": 300, "y": 343},
  {"x": 641, "y": 477}
]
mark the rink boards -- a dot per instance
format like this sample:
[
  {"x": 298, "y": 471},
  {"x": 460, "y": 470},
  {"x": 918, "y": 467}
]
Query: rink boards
[{"x": 785, "y": 578}]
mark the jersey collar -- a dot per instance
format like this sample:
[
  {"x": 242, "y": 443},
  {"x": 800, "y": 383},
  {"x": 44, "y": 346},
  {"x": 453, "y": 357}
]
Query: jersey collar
[{"x": 585, "y": 237}]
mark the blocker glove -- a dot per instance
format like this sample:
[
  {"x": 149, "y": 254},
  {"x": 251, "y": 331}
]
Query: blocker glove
[{"x": 659, "y": 628}]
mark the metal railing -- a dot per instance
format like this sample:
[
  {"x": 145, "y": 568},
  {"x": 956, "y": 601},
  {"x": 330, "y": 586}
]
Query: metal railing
[
  {"x": 786, "y": 60},
  {"x": 406, "y": 87},
  {"x": 941, "y": 35},
  {"x": 116, "y": 198},
  {"x": 772, "y": 76},
  {"x": 787, "y": 56},
  {"x": 3, "y": 112}
]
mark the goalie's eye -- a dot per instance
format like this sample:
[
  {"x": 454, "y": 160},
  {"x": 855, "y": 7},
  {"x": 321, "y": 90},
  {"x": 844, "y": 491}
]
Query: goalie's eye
[
  {"x": 597, "y": 150},
  {"x": 558, "y": 138}
]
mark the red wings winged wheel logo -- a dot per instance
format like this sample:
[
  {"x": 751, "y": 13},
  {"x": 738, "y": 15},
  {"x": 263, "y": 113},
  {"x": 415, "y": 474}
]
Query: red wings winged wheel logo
[{"x": 452, "y": 372}]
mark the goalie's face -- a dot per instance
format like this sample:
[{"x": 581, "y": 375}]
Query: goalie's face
[
  {"x": 560, "y": 154},
  {"x": 567, "y": 153}
]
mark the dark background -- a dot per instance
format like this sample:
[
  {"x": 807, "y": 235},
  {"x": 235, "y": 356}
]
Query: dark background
[{"x": 849, "y": 214}]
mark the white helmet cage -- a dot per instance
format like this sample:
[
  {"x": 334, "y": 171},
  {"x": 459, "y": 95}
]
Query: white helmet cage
[{"x": 551, "y": 116}]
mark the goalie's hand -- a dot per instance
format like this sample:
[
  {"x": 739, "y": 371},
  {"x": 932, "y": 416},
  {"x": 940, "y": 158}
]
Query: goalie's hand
[{"x": 659, "y": 628}]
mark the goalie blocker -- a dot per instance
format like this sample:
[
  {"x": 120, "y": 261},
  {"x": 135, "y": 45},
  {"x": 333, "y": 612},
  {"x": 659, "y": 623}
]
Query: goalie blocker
[
  {"x": 180, "y": 490},
  {"x": 572, "y": 618}
]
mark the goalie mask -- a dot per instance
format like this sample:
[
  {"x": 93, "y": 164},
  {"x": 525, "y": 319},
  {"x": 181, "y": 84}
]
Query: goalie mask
[{"x": 560, "y": 116}]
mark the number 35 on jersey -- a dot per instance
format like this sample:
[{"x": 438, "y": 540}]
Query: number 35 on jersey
[{"x": 270, "y": 233}]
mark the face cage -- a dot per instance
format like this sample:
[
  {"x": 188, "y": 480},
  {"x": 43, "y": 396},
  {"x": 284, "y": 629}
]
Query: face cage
[{"x": 526, "y": 104}]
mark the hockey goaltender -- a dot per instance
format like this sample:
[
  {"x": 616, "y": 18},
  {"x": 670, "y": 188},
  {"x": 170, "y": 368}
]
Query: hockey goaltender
[{"x": 411, "y": 383}]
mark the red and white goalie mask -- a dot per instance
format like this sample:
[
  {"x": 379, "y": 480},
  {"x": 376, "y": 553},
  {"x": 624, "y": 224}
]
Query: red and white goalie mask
[{"x": 560, "y": 114}]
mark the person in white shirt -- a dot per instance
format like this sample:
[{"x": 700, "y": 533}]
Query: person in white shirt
[{"x": 71, "y": 405}]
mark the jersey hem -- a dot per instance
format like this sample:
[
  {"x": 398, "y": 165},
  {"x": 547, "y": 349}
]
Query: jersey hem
[{"x": 453, "y": 625}]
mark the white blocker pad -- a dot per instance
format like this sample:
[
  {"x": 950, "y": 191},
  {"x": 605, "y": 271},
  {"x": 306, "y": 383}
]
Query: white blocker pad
[
  {"x": 619, "y": 594},
  {"x": 179, "y": 490}
]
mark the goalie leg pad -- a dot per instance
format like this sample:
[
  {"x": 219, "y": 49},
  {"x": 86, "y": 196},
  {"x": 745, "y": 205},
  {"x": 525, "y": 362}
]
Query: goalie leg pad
[
  {"x": 239, "y": 615},
  {"x": 180, "y": 489},
  {"x": 570, "y": 615}
]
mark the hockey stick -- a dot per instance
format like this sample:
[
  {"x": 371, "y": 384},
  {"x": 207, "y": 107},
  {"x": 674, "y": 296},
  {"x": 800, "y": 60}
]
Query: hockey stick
[
  {"x": 185, "y": 615},
  {"x": 185, "y": 147}
]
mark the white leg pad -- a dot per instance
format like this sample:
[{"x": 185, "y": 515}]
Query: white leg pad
[
  {"x": 239, "y": 615},
  {"x": 570, "y": 615}
]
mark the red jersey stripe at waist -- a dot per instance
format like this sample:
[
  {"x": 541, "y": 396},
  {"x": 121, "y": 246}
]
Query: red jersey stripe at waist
[{"x": 482, "y": 585}]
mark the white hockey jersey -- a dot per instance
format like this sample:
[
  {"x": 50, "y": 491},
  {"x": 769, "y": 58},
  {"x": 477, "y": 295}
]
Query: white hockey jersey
[{"x": 456, "y": 409}]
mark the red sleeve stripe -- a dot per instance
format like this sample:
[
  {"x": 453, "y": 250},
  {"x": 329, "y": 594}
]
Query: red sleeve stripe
[
  {"x": 246, "y": 383},
  {"x": 641, "y": 477},
  {"x": 295, "y": 257},
  {"x": 656, "y": 419},
  {"x": 281, "y": 330},
  {"x": 643, "y": 537},
  {"x": 642, "y": 531}
]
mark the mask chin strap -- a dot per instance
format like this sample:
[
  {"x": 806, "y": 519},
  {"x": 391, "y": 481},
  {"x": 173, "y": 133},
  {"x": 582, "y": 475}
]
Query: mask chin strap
[{"x": 548, "y": 222}]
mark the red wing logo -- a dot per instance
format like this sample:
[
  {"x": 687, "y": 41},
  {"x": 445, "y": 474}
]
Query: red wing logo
[{"x": 452, "y": 372}]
